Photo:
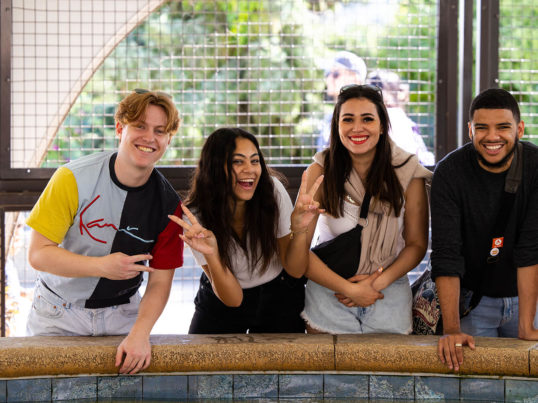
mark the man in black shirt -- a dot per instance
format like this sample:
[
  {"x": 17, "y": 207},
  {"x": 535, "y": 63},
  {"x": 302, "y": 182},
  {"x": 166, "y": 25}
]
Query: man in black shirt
[{"x": 484, "y": 204}]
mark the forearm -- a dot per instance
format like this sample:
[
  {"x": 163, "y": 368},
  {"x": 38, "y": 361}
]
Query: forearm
[
  {"x": 153, "y": 302},
  {"x": 527, "y": 285},
  {"x": 224, "y": 282},
  {"x": 56, "y": 260},
  {"x": 297, "y": 255},
  {"x": 448, "y": 291},
  {"x": 406, "y": 261},
  {"x": 318, "y": 272}
]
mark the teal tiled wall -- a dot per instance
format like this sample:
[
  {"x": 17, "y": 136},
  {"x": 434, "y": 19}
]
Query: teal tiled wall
[
  {"x": 314, "y": 386},
  {"x": 2, "y": 391}
]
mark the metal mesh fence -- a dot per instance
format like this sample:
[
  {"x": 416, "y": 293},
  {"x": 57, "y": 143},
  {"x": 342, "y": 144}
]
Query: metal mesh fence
[
  {"x": 518, "y": 59},
  {"x": 261, "y": 65}
]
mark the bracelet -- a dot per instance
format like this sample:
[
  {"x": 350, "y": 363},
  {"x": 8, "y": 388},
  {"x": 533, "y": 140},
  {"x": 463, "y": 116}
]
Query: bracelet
[{"x": 293, "y": 233}]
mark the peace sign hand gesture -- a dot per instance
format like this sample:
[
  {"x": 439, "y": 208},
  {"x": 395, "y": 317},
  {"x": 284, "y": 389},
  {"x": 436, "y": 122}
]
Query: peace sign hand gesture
[
  {"x": 194, "y": 235},
  {"x": 306, "y": 208}
]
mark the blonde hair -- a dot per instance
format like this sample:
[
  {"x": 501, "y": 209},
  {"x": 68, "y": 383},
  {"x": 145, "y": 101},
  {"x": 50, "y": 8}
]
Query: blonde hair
[{"x": 133, "y": 107}]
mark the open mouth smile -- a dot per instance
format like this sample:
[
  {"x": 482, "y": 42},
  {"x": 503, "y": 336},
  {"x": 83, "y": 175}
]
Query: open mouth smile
[
  {"x": 358, "y": 139},
  {"x": 145, "y": 149},
  {"x": 246, "y": 183},
  {"x": 493, "y": 149}
]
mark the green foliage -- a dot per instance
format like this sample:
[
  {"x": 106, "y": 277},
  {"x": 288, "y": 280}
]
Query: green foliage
[
  {"x": 517, "y": 59},
  {"x": 254, "y": 64}
]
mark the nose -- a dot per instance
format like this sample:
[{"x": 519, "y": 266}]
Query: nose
[
  {"x": 493, "y": 134},
  {"x": 249, "y": 166},
  {"x": 357, "y": 125},
  {"x": 148, "y": 135}
]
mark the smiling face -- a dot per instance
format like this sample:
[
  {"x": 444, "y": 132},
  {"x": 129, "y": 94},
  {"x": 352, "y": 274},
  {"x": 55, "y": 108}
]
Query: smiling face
[
  {"x": 142, "y": 144},
  {"x": 246, "y": 169},
  {"x": 494, "y": 133},
  {"x": 359, "y": 126}
]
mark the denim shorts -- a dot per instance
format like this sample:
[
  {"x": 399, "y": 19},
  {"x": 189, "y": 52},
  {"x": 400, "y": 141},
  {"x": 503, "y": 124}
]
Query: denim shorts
[
  {"x": 51, "y": 315},
  {"x": 273, "y": 307},
  {"x": 392, "y": 314}
]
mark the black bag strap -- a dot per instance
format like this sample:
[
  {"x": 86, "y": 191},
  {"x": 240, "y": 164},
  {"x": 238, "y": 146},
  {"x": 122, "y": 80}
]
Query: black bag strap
[
  {"x": 511, "y": 184},
  {"x": 508, "y": 197},
  {"x": 365, "y": 206}
]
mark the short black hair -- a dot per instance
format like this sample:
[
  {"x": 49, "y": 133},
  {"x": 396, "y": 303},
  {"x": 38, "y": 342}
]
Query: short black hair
[{"x": 495, "y": 98}]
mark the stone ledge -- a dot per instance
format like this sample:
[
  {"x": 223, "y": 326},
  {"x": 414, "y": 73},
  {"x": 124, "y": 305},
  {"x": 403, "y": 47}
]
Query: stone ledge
[
  {"x": 416, "y": 354},
  {"x": 384, "y": 353}
]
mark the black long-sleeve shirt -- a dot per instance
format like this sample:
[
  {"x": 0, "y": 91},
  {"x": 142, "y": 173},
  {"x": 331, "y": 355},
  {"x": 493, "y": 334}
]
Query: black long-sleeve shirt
[{"x": 465, "y": 200}]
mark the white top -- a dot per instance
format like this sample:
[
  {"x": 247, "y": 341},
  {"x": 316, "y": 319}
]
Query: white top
[{"x": 239, "y": 260}]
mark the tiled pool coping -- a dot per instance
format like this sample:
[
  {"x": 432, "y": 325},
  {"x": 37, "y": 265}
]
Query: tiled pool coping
[{"x": 268, "y": 366}]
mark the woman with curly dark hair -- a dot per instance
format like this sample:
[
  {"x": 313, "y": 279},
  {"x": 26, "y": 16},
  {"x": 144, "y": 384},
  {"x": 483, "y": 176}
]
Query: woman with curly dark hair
[
  {"x": 250, "y": 241},
  {"x": 370, "y": 182}
]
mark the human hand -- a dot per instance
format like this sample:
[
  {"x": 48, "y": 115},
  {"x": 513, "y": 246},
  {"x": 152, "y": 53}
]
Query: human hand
[
  {"x": 450, "y": 349},
  {"x": 306, "y": 208},
  {"x": 133, "y": 354},
  {"x": 531, "y": 334},
  {"x": 119, "y": 266},
  {"x": 362, "y": 293},
  {"x": 194, "y": 235},
  {"x": 355, "y": 279}
]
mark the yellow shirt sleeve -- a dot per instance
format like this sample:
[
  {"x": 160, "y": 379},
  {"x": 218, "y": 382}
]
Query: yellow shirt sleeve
[{"x": 55, "y": 211}]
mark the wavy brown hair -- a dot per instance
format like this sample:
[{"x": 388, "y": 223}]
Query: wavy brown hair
[
  {"x": 212, "y": 196},
  {"x": 381, "y": 181},
  {"x": 133, "y": 108}
]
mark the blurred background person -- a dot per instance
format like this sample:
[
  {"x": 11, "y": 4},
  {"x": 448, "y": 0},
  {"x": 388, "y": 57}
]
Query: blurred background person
[
  {"x": 345, "y": 68},
  {"x": 404, "y": 131}
]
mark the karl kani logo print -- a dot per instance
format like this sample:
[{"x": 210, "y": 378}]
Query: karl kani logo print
[{"x": 86, "y": 226}]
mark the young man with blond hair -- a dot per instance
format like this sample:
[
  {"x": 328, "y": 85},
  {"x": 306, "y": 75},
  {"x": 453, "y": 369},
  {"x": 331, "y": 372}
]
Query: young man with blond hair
[{"x": 102, "y": 222}]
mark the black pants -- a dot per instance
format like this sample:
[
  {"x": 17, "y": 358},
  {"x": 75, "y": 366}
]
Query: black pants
[{"x": 273, "y": 307}]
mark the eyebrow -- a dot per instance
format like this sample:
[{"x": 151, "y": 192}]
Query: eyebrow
[
  {"x": 244, "y": 156},
  {"x": 496, "y": 124},
  {"x": 362, "y": 114},
  {"x": 143, "y": 122}
]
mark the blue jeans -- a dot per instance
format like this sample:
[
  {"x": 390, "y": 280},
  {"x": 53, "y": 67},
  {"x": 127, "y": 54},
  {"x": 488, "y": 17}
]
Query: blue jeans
[
  {"x": 493, "y": 317},
  {"x": 51, "y": 315}
]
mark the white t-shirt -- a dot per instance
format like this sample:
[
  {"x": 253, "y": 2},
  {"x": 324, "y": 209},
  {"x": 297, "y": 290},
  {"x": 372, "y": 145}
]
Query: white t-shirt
[{"x": 240, "y": 262}]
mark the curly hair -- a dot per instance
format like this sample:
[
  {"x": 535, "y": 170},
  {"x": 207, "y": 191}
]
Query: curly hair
[
  {"x": 213, "y": 197},
  {"x": 381, "y": 181}
]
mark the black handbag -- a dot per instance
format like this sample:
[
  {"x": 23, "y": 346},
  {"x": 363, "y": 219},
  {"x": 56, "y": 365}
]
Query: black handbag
[{"x": 343, "y": 253}]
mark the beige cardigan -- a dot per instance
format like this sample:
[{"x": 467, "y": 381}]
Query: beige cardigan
[{"x": 382, "y": 238}]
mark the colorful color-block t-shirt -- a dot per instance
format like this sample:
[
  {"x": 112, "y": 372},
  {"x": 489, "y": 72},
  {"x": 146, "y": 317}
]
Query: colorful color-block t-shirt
[{"x": 86, "y": 210}]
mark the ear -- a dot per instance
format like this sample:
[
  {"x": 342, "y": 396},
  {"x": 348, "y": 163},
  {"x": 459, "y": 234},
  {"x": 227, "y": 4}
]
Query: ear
[
  {"x": 119, "y": 129},
  {"x": 470, "y": 126},
  {"x": 520, "y": 129}
]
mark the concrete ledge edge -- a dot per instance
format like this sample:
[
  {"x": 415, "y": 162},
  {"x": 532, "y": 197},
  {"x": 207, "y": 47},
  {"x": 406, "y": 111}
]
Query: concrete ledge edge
[{"x": 379, "y": 354}]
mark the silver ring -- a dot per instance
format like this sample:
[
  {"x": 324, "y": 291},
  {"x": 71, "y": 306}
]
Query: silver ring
[{"x": 458, "y": 345}]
